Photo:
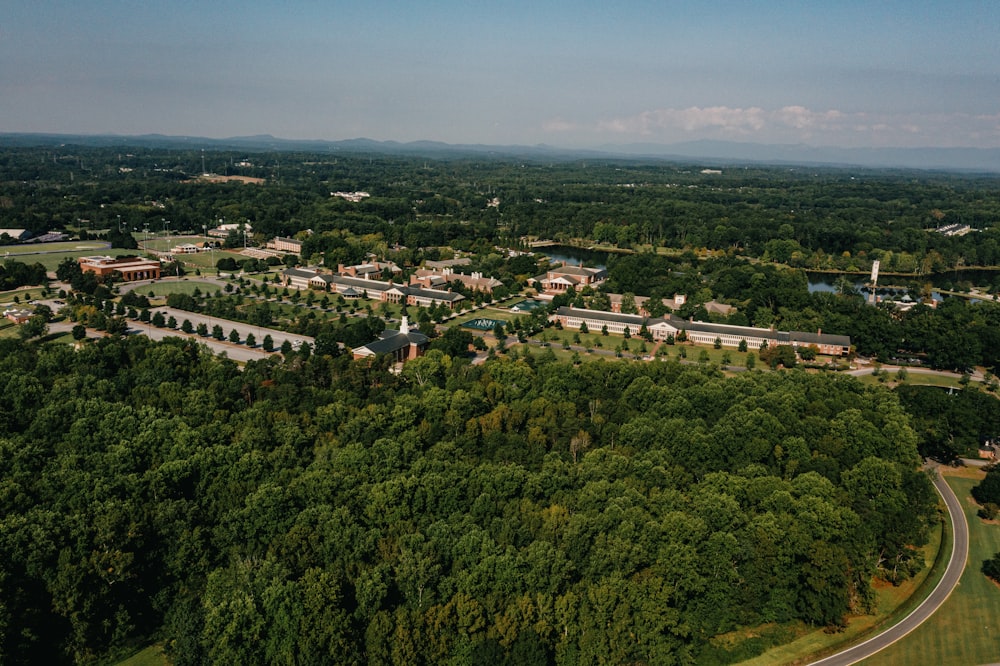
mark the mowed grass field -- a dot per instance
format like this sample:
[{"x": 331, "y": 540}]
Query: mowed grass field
[
  {"x": 51, "y": 254},
  {"x": 966, "y": 629},
  {"x": 183, "y": 286},
  {"x": 48, "y": 248}
]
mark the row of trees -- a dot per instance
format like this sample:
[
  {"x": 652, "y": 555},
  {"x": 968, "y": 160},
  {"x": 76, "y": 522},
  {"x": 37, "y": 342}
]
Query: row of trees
[
  {"x": 314, "y": 508},
  {"x": 14, "y": 274}
]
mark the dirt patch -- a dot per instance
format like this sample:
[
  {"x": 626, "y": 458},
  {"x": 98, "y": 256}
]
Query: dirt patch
[
  {"x": 963, "y": 472},
  {"x": 212, "y": 178}
]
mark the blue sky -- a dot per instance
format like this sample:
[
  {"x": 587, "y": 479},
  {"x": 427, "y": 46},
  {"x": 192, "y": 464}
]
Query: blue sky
[{"x": 570, "y": 74}]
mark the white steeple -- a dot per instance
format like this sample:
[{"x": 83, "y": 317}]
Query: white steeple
[{"x": 404, "y": 326}]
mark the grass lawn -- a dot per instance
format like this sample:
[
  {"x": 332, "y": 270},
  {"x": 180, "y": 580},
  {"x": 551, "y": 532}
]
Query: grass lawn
[
  {"x": 51, "y": 260},
  {"x": 151, "y": 656},
  {"x": 7, "y": 297},
  {"x": 185, "y": 286},
  {"x": 8, "y": 329},
  {"x": 47, "y": 248},
  {"x": 965, "y": 629}
]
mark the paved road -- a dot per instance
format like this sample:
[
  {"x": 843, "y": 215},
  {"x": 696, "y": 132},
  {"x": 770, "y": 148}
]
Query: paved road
[
  {"x": 956, "y": 565},
  {"x": 977, "y": 375},
  {"x": 237, "y": 352}
]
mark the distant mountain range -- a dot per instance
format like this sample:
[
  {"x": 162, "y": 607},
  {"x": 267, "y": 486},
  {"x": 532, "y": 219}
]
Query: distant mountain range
[{"x": 707, "y": 152}]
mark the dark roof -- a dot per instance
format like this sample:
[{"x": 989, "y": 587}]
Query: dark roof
[
  {"x": 600, "y": 315},
  {"x": 392, "y": 341},
  {"x": 820, "y": 339},
  {"x": 783, "y": 337},
  {"x": 576, "y": 270},
  {"x": 299, "y": 272},
  {"x": 434, "y": 293},
  {"x": 361, "y": 283}
]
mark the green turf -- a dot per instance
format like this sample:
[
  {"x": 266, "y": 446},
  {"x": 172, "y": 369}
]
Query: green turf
[
  {"x": 47, "y": 248},
  {"x": 7, "y": 297},
  {"x": 151, "y": 656},
  {"x": 51, "y": 260},
  {"x": 966, "y": 629},
  {"x": 184, "y": 286}
]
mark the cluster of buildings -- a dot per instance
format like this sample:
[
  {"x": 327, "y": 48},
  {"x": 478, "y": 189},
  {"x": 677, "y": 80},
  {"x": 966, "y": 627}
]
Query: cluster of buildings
[
  {"x": 355, "y": 282},
  {"x": 558, "y": 280},
  {"x": 662, "y": 328}
]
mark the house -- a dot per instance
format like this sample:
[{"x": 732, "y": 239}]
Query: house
[
  {"x": 402, "y": 345},
  {"x": 128, "y": 268},
  {"x": 558, "y": 280},
  {"x": 430, "y": 278},
  {"x": 699, "y": 332},
  {"x": 18, "y": 316},
  {"x": 988, "y": 449},
  {"x": 185, "y": 248}
]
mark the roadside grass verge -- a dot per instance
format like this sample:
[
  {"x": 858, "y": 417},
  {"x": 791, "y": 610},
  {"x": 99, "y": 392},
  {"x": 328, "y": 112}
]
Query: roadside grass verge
[
  {"x": 965, "y": 628},
  {"x": 149, "y": 656},
  {"x": 893, "y": 603}
]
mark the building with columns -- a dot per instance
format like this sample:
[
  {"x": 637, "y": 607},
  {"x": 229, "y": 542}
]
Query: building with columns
[{"x": 128, "y": 268}]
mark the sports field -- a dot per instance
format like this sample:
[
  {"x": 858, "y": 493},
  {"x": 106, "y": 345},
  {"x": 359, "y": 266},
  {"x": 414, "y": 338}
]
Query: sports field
[{"x": 48, "y": 248}]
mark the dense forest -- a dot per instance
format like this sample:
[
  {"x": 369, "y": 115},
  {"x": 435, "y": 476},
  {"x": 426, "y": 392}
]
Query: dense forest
[
  {"x": 827, "y": 219},
  {"x": 321, "y": 510}
]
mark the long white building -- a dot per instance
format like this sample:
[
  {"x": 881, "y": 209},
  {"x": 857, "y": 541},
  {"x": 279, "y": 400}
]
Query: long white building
[{"x": 699, "y": 332}]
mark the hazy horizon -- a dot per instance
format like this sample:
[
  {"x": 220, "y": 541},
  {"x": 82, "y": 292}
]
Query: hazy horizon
[{"x": 574, "y": 75}]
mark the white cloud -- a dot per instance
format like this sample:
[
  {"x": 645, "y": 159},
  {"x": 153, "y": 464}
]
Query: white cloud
[{"x": 793, "y": 123}]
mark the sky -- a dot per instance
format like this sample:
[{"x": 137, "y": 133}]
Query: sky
[{"x": 579, "y": 74}]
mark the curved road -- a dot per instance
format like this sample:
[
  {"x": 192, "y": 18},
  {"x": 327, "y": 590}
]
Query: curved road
[{"x": 956, "y": 565}]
